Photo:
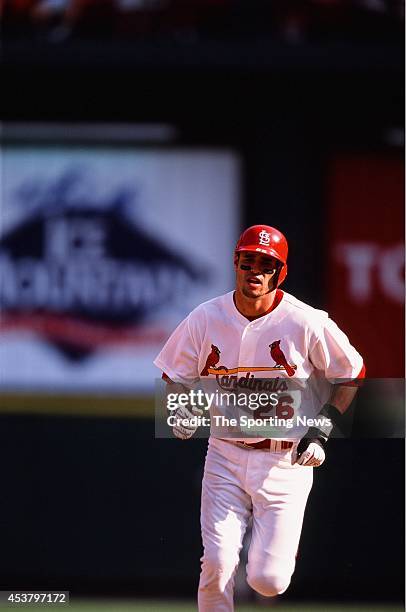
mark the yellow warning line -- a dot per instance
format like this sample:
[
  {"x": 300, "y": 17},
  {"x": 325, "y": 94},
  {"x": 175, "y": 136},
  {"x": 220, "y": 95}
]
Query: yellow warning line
[{"x": 78, "y": 405}]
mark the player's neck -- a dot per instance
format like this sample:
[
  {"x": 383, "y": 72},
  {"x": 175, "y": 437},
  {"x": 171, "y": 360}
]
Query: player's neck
[{"x": 251, "y": 307}]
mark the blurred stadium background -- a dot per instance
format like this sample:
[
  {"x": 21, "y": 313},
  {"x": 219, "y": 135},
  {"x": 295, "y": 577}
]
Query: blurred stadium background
[{"x": 138, "y": 138}]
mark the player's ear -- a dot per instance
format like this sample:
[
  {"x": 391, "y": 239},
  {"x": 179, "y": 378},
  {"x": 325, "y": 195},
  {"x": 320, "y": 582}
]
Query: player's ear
[{"x": 236, "y": 259}]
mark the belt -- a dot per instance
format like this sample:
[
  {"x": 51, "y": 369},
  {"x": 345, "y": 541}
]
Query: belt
[{"x": 269, "y": 444}]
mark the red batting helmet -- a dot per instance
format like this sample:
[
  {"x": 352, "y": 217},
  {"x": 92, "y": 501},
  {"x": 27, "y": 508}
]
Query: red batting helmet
[{"x": 268, "y": 240}]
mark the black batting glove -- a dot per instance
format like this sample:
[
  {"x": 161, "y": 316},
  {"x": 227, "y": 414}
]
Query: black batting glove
[{"x": 319, "y": 435}]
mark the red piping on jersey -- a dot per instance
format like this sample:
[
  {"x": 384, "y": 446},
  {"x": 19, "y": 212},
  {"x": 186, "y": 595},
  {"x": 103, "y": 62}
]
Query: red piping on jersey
[
  {"x": 357, "y": 381},
  {"x": 277, "y": 300}
]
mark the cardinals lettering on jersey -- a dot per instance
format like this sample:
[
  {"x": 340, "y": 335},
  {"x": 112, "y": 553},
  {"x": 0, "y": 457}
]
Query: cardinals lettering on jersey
[{"x": 279, "y": 357}]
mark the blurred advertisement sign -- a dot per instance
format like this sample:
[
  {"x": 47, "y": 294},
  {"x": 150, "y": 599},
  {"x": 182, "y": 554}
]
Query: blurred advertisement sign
[
  {"x": 102, "y": 252},
  {"x": 366, "y": 286}
]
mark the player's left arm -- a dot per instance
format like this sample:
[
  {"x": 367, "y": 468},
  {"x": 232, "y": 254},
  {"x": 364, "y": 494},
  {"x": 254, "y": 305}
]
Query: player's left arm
[{"x": 344, "y": 367}]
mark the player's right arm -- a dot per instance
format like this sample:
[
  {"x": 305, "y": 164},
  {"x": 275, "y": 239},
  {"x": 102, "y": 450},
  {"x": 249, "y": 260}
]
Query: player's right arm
[
  {"x": 179, "y": 362},
  {"x": 184, "y": 427},
  {"x": 179, "y": 358}
]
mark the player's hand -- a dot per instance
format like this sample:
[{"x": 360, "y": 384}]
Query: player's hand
[
  {"x": 309, "y": 453},
  {"x": 310, "y": 450},
  {"x": 183, "y": 429}
]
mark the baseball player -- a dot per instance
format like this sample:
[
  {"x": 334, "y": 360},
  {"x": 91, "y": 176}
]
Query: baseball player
[{"x": 258, "y": 330}]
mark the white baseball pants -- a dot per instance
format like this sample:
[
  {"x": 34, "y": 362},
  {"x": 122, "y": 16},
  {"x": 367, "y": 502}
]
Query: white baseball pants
[{"x": 238, "y": 482}]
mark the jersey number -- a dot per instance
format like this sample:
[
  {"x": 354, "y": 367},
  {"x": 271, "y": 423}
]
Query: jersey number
[{"x": 283, "y": 409}]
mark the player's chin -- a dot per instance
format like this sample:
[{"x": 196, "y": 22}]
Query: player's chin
[
  {"x": 253, "y": 290},
  {"x": 251, "y": 294}
]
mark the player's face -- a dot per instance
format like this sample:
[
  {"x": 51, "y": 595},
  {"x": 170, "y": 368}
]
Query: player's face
[{"x": 255, "y": 274}]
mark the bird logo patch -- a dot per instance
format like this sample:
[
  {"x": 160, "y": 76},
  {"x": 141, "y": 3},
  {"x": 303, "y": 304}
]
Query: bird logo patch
[
  {"x": 211, "y": 361},
  {"x": 279, "y": 358},
  {"x": 281, "y": 363}
]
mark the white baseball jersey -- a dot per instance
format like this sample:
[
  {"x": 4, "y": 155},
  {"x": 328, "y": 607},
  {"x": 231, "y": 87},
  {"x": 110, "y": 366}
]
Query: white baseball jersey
[{"x": 293, "y": 342}]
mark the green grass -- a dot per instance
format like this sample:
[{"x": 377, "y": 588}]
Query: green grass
[
  {"x": 190, "y": 607},
  {"x": 159, "y": 606}
]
